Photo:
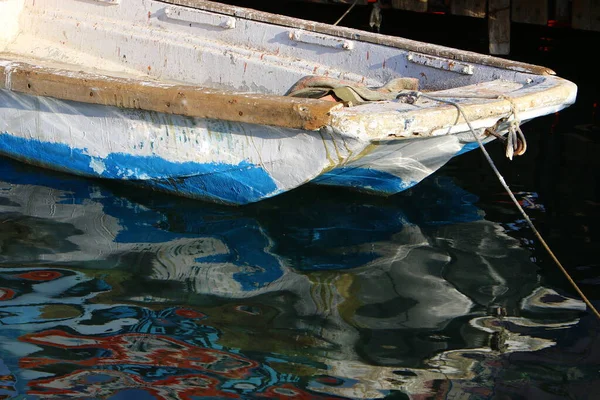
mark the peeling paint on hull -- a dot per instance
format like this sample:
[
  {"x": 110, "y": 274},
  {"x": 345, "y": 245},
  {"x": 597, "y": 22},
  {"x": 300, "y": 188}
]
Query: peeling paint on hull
[
  {"x": 220, "y": 161},
  {"x": 224, "y": 183},
  {"x": 394, "y": 166}
]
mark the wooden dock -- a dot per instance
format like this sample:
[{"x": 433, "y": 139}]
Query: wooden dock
[{"x": 574, "y": 14}]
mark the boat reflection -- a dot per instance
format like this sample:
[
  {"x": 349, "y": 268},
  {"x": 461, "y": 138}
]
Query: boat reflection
[{"x": 110, "y": 292}]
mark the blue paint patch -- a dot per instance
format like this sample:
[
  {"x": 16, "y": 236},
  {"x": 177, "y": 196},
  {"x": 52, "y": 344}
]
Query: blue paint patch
[
  {"x": 365, "y": 179},
  {"x": 466, "y": 148},
  {"x": 226, "y": 183},
  {"x": 238, "y": 184}
]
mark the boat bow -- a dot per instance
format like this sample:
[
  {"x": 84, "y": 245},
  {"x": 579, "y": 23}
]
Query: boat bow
[{"x": 486, "y": 105}]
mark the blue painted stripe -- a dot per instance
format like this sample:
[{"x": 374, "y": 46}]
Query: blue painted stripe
[
  {"x": 365, "y": 179},
  {"x": 237, "y": 184},
  {"x": 226, "y": 183},
  {"x": 466, "y": 148}
]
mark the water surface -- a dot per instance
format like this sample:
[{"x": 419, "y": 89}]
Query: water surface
[{"x": 112, "y": 292}]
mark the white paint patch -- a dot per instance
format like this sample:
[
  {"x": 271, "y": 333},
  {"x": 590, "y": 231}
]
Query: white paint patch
[{"x": 97, "y": 166}]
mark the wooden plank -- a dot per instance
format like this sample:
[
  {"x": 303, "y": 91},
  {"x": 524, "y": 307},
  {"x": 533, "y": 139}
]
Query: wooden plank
[
  {"x": 469, "y": 8},
  {"x": 410, "y": 5},
  {"x": 149, "y": 95},
  {"x": 530, "y": 11},
  {"x": 499, "y": 26}
]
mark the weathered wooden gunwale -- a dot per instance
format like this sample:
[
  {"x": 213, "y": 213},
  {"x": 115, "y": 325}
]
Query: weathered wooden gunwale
[
  {"x": 289, "y": 112},
  {"x": 145, "y": 94},
  {"x": 364, "y": 36}
]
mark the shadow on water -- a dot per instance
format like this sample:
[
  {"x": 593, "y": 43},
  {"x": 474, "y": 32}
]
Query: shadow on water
[{"x": 110, "y": 292}]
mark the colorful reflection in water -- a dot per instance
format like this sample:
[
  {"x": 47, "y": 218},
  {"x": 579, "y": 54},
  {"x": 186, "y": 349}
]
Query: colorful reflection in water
[{"x": 117, "y": 294}]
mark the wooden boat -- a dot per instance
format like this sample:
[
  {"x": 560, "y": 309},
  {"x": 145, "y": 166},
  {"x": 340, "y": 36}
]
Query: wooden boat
[{"x": 232, "y": 105}]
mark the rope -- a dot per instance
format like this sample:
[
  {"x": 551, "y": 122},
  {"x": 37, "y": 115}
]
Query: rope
[
  {"x": 514, "y": 199},
  {"x": 346, "y": 13}
]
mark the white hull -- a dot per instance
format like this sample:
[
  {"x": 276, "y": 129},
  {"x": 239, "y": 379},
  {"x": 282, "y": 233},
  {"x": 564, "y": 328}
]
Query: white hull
[
  {"x": 228, "y": 162},
  {"x": 187, "y": 96}
]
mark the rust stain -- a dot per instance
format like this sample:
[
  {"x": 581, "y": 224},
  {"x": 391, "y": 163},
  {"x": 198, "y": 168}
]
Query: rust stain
[
  {"x": 383, "y": 64},
  {"x": 368, "y": 55},
  {"x": 245, "y": 66}
]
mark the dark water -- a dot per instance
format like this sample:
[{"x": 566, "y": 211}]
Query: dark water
[{"x": 439, "y": 292}]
